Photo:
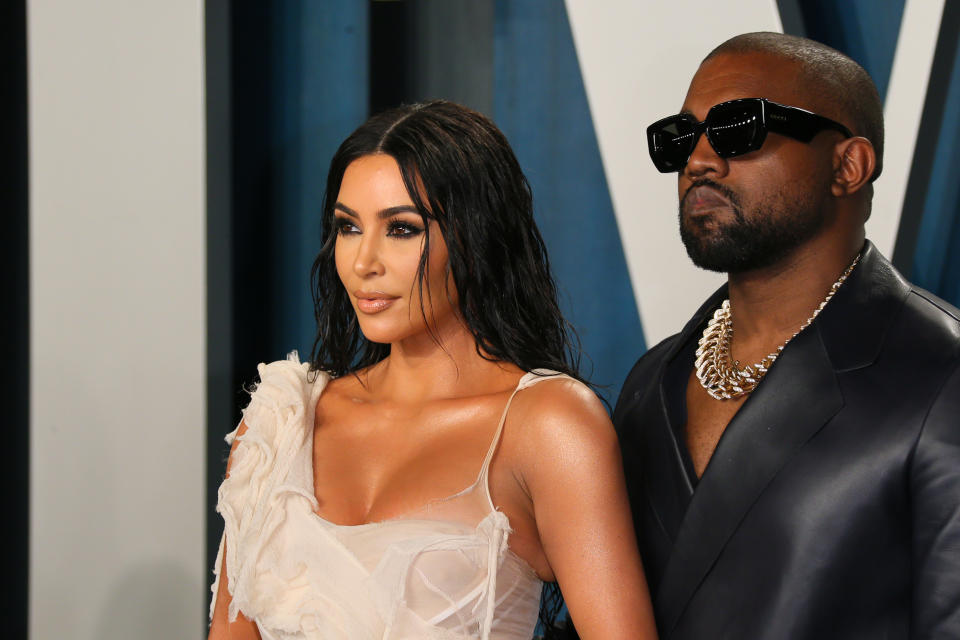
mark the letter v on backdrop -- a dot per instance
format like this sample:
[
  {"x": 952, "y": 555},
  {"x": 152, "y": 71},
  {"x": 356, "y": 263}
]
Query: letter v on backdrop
[{"x": 637, "y": 59}]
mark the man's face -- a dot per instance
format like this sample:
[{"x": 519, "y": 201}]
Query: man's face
[{"x": 751, "y": 211}]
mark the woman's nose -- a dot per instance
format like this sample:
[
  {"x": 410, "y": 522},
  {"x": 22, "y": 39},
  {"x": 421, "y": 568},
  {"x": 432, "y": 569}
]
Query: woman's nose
[{"x": 367, "y": 261}]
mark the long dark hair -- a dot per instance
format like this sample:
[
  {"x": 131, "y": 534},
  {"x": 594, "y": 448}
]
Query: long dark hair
[{"x": 459, "y": 170}]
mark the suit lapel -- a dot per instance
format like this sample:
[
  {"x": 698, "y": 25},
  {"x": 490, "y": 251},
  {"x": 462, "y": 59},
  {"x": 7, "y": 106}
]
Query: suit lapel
[
  {"x": 798, "y": 396},
  {"x": 669, "y": 487}
]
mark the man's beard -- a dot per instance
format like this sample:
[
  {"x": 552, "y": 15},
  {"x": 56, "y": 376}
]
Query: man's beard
[{"x": 770, "y": 233}]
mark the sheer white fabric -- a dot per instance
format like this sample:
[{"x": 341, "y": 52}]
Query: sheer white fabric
[{"x": 443, "y": 572}]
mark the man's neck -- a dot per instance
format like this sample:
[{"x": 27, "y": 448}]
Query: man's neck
[{"x": 768, "y": 306}]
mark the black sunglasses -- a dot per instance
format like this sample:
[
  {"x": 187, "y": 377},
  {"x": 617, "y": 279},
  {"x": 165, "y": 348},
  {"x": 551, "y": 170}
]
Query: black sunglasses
[{"x": 733, "y": 128}]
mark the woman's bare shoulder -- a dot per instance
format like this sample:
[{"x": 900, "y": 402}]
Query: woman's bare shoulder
[
  {"x": 350, "y": 386},
  {"x": 560, "y": 413}
]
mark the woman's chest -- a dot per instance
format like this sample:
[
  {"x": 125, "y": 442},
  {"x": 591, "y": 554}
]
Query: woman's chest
[{"x": 375, "y": 461}]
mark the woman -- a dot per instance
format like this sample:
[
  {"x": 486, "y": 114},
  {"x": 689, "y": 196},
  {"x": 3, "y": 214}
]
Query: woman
[{"x": 438, "y": 459}]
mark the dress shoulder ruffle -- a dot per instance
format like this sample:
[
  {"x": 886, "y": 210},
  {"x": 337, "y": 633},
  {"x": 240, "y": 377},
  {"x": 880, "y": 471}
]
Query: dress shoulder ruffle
[
  {"x": 446, "y": 575},
  {"x": 263, "y": 471}
]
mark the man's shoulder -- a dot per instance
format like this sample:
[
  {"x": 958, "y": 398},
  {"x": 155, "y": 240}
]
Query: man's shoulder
[
  {"x": 887, "y": 320},
  {"x": 652, "y": 357},
  {"x": 933, "y": 308},
  {"x": 644, "y": 373},
  {"x": 883, "y": 280},
  {"x": 931, "y": 328},
  {"x": 930, "y": 324}
]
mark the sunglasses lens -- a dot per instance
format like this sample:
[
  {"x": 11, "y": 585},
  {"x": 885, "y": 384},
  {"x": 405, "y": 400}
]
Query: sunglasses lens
[
  {"x": 671, "y": 140},
  {"x": 736, "y": 128}
]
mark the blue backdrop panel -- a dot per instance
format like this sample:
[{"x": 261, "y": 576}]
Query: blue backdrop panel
[
  {"x": 320, "y": 95},
  {"x": 541, "y": 105},
  {"x": 865, "y": 30},
  {"x": 936, "y": 262}
]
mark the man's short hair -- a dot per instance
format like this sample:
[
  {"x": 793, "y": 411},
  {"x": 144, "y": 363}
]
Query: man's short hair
[{"x": 831, "y": 77}]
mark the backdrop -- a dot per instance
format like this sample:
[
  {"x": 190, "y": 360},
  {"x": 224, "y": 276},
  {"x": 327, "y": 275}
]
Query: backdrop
[{"x": 166, "y": 164}]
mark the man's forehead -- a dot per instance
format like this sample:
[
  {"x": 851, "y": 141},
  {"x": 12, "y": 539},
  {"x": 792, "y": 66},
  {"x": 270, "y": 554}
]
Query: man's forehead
[{"x": 729, "y": 76}]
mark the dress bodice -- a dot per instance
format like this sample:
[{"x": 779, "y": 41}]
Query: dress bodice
[{"x": 442, "y": 572}]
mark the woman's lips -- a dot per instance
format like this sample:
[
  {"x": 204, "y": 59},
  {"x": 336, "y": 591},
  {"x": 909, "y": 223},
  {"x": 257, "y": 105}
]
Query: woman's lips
[{"x": 373, "y": 302}]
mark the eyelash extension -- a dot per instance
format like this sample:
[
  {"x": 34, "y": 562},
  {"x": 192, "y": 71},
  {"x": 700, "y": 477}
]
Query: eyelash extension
[
  {"x": 396, "y": 228},
  {"x": 341, "y": 225},
  {"x": 403, "y": 229}
]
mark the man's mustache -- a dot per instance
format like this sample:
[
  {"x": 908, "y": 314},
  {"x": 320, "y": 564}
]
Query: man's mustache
[{"x": 707, "y": 182}]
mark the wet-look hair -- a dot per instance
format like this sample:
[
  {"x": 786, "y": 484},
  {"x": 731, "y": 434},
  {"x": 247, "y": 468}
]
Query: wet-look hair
[{"x": 460, "y": 171}]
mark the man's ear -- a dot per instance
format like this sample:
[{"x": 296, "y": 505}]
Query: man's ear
[{"x": 854, "y": 161}]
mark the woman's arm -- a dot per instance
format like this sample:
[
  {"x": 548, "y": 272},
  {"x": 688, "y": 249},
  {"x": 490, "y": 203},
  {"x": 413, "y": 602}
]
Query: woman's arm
[
  {"x": 582, "y": 513},
  {"x": 220, "y": 627}
]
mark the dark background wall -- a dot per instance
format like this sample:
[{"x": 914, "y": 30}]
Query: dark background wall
[{"x": 14, "y": 321}]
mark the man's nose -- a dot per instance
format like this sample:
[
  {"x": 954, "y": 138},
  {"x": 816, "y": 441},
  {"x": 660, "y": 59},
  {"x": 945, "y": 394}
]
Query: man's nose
[{"x": 704, "y": 160}]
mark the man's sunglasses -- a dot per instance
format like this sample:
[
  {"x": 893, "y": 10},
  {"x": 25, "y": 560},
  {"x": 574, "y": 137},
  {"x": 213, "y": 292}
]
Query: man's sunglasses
[{"x": 733, "y": 128}]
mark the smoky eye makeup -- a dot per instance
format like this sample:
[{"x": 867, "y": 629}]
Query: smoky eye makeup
[
  {"x": 401, "y": 228},
  {"x": 396, "y": 227},
  {"x": 344, "y": 225}
]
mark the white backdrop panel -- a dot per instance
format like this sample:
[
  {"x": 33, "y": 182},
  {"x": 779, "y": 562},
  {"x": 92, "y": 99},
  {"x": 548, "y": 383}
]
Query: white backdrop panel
[
  {"x": 902, "y": 111},
  {"x": 117, "y": 254},
  {"x": 637, "y": 59}
]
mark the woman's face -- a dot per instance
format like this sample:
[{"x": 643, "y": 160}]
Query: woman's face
[{"x": 380, "y": 238}]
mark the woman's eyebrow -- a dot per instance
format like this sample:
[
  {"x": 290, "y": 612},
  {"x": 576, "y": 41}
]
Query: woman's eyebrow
[
  {"x": 392, "y": 211},
  {"x": 347, "y": 210},
  {"x": 383, "y": 213}
]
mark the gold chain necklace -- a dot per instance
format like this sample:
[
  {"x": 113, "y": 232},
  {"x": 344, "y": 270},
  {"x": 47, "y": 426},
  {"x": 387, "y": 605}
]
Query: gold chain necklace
[{"x": 724, "y": 379}]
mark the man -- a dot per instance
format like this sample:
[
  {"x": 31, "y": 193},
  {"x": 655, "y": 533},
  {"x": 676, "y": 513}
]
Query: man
[{"x": 793, "y": 456}]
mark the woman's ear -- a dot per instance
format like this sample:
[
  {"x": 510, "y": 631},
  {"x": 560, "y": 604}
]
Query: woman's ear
[{"x": 854, "y": 161}]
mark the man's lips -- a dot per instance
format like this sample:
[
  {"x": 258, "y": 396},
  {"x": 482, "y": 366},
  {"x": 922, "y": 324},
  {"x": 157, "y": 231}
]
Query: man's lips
[
  {"x": 703, "y": 199},
  {"x": 373, "y": 301}
]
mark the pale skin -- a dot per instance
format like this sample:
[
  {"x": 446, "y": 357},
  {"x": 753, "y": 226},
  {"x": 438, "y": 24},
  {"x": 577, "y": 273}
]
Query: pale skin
[
  {"x": 415, "y": 426},
  {"x": 769, "y": 305}
]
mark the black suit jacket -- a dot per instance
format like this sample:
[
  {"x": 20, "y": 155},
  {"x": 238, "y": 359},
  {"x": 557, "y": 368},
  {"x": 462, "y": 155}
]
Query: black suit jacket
[{"x": 831, "y": 506}]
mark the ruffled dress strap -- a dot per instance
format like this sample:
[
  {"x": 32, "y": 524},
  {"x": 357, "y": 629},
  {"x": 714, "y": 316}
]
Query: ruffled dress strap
[{"x": 267, "y": 465}]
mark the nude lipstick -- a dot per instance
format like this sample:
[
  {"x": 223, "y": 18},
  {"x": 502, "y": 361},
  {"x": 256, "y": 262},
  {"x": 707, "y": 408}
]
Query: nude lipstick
[{"x": 371, "y": 302}]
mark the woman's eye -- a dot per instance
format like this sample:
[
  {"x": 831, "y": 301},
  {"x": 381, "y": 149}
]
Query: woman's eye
[
  {"x": 345, "y": 227},
  {"x": 400, "y": 229}
]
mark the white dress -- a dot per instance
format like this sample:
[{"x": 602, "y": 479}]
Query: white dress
[{"x": 443, "y": 572}]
